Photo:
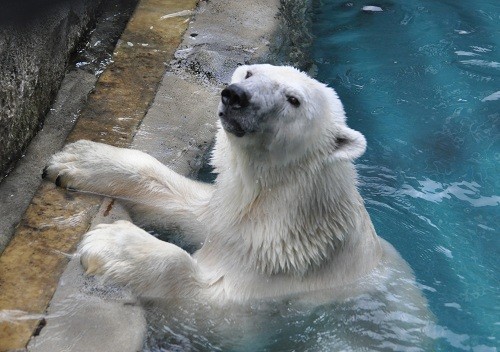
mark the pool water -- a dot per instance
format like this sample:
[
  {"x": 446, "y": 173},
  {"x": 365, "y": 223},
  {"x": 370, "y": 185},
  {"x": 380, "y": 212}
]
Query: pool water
[{"x": 421, "y": 80}]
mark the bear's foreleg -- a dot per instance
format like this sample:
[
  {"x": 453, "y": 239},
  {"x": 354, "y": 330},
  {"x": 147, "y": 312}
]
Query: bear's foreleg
[{"x": 155, "y": 195}]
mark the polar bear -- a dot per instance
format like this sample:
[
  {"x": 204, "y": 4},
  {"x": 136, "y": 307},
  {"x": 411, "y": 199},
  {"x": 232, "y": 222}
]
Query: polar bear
[{"x": 284, "y": 216}]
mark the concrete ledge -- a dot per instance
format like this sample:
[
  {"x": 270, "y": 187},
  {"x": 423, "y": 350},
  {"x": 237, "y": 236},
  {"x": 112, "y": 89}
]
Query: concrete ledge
[{"x": 226, "y": 34}]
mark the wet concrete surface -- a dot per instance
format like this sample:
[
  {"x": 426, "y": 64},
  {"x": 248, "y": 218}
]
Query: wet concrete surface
[
  {"x": 226, "y": 34},
  {"x": 167, "y": 100},
  {"x": 92, "y": 56},
  {"x": 85, "y": 316}
]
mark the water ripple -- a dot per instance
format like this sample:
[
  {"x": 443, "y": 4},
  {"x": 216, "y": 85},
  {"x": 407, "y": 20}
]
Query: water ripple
[{"x": 436, "y": 192}]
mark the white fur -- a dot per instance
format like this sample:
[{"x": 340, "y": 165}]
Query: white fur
[{"x": 283, "y": 217}]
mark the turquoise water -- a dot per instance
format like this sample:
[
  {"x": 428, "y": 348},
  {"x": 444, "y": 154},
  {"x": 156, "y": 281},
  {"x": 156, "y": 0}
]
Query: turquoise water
[{"x": 421, "y": 80}]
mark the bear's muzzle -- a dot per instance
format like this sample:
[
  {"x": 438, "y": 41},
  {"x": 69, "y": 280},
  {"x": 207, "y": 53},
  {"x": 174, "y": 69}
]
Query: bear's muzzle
[{"x": 234, "y": 97}]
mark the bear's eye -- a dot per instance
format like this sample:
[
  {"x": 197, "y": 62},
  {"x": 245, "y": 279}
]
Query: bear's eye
[
  {"x": 292, "y": 100},
  {"x": 248, "y": 75}
]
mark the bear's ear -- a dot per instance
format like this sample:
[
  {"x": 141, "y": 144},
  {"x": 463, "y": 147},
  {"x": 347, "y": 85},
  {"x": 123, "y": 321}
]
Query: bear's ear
[{"x": 349, "y": 144}]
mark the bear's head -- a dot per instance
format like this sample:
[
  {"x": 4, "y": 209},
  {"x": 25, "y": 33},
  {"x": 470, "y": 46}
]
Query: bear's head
[{"x": 281, "y": 113}]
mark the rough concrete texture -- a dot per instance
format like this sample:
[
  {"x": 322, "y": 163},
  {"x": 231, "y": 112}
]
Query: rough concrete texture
[
  {"x": 293, "y": 41},
  {"x": 226, "y": 34},
  {"x": 180, "y": 124},
  {"x": 34, "y": 52},
  {"x": 177, "y": 129}
]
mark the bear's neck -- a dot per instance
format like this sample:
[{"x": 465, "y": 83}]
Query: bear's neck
[{"x": 289, "y": 220}]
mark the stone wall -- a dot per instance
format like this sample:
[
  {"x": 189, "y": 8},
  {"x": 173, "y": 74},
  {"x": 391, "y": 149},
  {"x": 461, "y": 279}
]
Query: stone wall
[{"x": 36, "y": 41}]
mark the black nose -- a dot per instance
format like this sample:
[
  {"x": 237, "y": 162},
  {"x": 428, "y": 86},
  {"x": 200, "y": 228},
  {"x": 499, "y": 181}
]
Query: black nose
[{"x": 235, "y": 96}]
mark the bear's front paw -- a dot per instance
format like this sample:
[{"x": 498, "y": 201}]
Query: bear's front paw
[
  {"x": 76, "y": 164},
  {"x": 122, "y": 253},
  {"x": 99, "y": 249},
  {"x": 94, "y": 167},
  {"x": 110, "y": 250}
]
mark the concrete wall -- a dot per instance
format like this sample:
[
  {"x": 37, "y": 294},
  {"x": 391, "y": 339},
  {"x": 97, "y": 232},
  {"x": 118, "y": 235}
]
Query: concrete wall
[{"x": 36, "y": 40}]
